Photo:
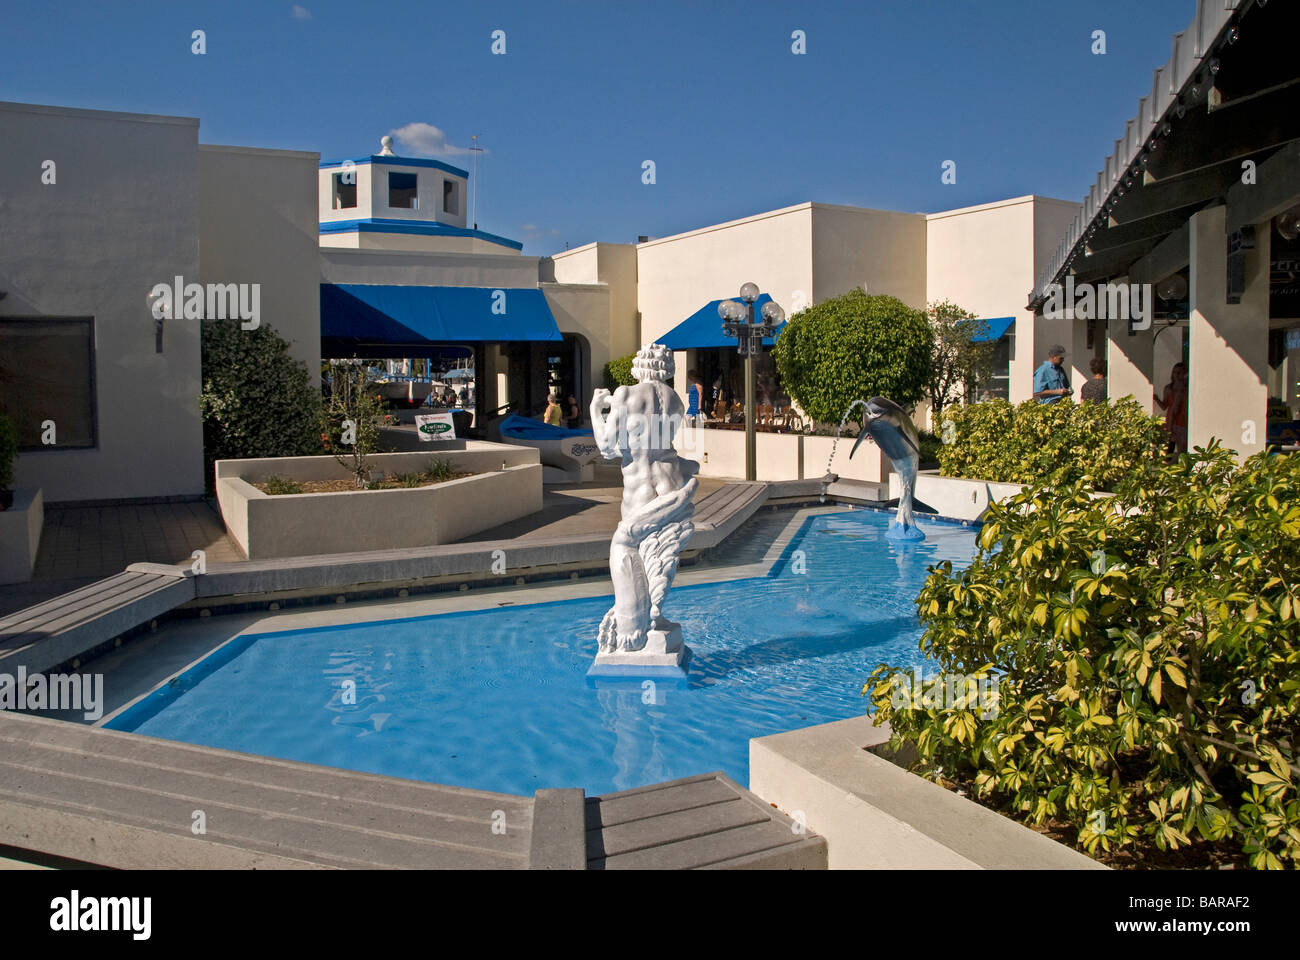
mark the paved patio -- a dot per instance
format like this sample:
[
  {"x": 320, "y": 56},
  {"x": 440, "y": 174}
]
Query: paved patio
[{"x": 80, "y": 545}]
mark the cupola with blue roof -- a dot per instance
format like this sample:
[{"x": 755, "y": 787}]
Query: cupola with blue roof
[{"x": 387, "y": 202}]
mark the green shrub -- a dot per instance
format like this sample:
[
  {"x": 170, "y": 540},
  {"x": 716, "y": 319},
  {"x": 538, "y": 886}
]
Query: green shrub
[
  {"x": 618, "y": 372},
  {"x": 1056, "y": 443},
  {"x": 440, "y": 470},
  {"x": 930, "y": 446},
  {"x": 1147, "y": 648},
  {"x": 257, "y": 401},
  {"x": 277, "y": 486},
  {"x": 8, "y": 451},
  {"x": 854, "y": 347},
  {"x": 409, "y": 479}
]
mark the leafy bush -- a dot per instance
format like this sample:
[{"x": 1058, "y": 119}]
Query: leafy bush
[
  {"x": 257, "y": 401},
  {"x": 618, "y": 372},
  {"x": 1055, "y": 443},
  {"x": 1147, "y": 648},
  {"x": 958, "y": 362},
  {"x": 278, "y": 486},
  {"x": 854, "y": 347},
  {"x": 8, "y": 451},
  {"x": 930, "y": 446},
  {"x": 440, "y": 470}
]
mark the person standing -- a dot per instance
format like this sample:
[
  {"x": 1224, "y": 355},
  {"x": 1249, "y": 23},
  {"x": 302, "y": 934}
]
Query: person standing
[
  {"x": 1095, "y": 390},
  {"x": 553, "y": 412},
  {"x": 1173, "y": 401},
  {"x": 575, "y": 415},
  {"x": 1051, "y": 382},
  {"x": 694, "y": 393}
]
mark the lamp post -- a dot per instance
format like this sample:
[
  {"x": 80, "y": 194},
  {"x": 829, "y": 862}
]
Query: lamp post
[{"x": 738, "y": 322}]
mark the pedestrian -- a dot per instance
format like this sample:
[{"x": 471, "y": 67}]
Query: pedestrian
[
  {"x": 553, "y": 412},
  {"x": 463, "y": 396},
  {"x": 575, "y": 414},
  {"x": 1173, "y": 401},
  {"x": 1051, "y": 382},
  {"x": 694, "y": 394},
  {"x": 1095, "y": 390}
]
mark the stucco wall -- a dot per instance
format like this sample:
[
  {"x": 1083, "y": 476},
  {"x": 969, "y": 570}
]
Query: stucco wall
[
  {"x": 677, "y": 275},
  {"x": 257, "y": 224},
  {"x": 881, "y": 248},
  {"x": 122, "y": 216}
]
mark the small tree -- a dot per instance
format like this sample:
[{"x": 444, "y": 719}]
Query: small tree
[
  {"x": 618, "y": 372},
  {"x": 958, "y": 361},
  {"x": 257, "y": 400},
  {"x": 854, "y": 347},
  {"x": 350, "y": 418}
]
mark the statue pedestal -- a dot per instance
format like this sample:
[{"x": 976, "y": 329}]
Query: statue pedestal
[{"x": 664, "y": 655}]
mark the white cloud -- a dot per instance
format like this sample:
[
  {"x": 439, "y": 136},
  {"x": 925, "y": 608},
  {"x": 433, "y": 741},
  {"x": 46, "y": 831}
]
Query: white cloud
[
  {"x": 426, "y": 140},
  {"x": 528, "y": 227},
  {"x": 300, "y": 12}
]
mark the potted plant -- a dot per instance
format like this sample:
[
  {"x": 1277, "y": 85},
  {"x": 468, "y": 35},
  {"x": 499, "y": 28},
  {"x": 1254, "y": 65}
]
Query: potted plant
[{"x": 8, "y": 450}]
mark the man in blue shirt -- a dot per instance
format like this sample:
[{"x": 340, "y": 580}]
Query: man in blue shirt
[{"x": 1051, "y": 382}]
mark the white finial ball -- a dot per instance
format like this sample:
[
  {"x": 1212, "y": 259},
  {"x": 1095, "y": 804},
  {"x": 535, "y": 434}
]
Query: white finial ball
[{"x": 386, "y": 142}]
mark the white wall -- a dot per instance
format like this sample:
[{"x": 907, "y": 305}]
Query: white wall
[
  {"x": 257, "y": 224},
  {"x": 677, "y": 275},
  {"x": 372, "y": 194},
  {"x": 122, "y": 216},
  {"x": 880, "y": 248}
]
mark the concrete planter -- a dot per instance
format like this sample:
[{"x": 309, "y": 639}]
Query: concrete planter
[
  {"x": 876, "y": 815},
  {"x": 20, "y": 535},
  {"x": 781, "y": 456},
  {"x": 957, "y": 497},
  {"x": 507, "y": 485}
]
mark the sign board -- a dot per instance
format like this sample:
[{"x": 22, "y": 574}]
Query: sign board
[{"x": 435, "y": 426}]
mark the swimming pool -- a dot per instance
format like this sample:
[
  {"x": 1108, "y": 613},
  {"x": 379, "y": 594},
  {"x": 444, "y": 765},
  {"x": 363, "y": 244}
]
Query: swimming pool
[{"x": 499, "y": 699}]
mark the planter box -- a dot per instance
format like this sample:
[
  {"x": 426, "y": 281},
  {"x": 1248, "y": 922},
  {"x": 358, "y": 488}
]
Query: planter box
[
  {"x": 20, "y": 535},
  {"x": 507, "y": 485},
  {"x": 957, "y": 497},
  {"x": 780, "y": 456},
  {"x": 876, "y": 815}
]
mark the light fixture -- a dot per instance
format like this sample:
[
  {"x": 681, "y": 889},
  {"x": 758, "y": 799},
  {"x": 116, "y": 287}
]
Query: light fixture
[
  {"x": 1215, "y": 66},
  {"x": 1235, "y": 34},
  {"x": 1288, "y": 224},
  {"x": 1172, "y": 287},
  {"x": 749, "y": 292}
]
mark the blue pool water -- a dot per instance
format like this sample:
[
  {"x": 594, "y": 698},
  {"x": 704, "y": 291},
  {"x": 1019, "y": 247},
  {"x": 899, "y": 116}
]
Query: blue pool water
[{"x": 499, "y": 700}]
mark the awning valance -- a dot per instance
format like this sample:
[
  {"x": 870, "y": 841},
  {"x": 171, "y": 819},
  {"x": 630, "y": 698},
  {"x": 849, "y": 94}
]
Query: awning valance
[
  {"x": 703, "y": 328},
  {"x": 993, "y": 328},
  {"x": 415, "y": 316}
]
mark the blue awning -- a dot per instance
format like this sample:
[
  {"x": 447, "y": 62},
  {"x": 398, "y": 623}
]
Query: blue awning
[
  {"x": 365, "y": 313},
  {"x": 994, "y": 328},
  {"x": 703, "y": 328}
]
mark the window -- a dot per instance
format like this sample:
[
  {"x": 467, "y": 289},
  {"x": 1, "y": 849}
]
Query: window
[
  {"x": 345, "y": 194},
  {"x": 450, "y": 197},
  {"x": 999, "y": 385},
  {"x": 47, "y": 373},
  {"x": 401, "y": 191}
]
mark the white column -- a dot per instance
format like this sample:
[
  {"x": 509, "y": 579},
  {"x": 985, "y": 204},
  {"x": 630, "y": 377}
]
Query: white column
[
  {"x": 1129, "y": 361},
  {"x": 1228, "y": 343}
]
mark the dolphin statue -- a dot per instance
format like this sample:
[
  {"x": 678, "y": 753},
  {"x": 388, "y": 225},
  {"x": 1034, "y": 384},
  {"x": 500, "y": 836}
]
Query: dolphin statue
[{"x": 886, "y": 423}]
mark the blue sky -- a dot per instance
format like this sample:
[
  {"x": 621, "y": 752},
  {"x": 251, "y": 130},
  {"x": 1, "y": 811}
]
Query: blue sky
[{"x": 587, "y": 91}]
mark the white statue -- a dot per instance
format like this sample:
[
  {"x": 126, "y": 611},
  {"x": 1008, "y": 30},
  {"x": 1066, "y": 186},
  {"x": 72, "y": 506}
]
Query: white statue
[{"x": 637, "y": 425}]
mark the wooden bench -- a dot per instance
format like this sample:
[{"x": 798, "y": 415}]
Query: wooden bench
[{"x": 47, "y": 634}]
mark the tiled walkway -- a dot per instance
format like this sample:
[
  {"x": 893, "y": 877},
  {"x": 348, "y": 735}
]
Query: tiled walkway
[{"x": 101, "y": 541}]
